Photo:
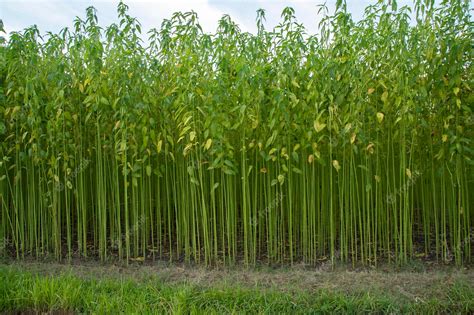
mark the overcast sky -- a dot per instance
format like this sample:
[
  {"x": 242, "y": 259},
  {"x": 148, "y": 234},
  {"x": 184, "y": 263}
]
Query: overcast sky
[{"x": 53, "y": 15}]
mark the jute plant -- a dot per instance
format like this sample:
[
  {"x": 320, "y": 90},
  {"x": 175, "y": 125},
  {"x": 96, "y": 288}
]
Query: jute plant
[{"x": 362, "y": 133}]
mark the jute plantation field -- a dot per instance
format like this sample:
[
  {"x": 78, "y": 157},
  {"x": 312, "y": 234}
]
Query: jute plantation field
[{"x": 350, "y": 147}]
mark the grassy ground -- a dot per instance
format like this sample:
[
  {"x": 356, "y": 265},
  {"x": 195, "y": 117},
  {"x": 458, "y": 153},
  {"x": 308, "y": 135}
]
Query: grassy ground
[{"x": 158, "y": 288}]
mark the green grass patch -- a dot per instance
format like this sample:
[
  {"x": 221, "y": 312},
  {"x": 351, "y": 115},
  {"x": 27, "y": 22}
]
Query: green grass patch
[{"x": 66, "y": 291}]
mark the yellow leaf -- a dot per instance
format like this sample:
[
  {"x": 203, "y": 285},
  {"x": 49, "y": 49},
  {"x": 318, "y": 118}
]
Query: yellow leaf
[
  {"x": 208, "y": 144},
  {"x": 192, "y": 135},
  {"x": 254, "y": 124},
  {"x": 377, "y": 178},
  {"x": 384, "y": 96},
  {"x": 347, "y": 127},
  {"x": 159, "y": 145},
  {"x": 310, "y": 158},
  {"x": 370, "y": 148},
  {"x": 353, "y": 138},
  {"x": 281, "y": 179},
  {"x": 187, "y": 148},
  {"x": 408, "y": 172},
  {"x": 370, "y": 91},
  {"x": 336, "y": 165},
  {"x": 445, "y": 138},
  {"x": 380, "y": 117},
  {"x": 318, "y": 126}
]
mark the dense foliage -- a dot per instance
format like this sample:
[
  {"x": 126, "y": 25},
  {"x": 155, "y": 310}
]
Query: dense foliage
[{"x": 353, "y": 144}]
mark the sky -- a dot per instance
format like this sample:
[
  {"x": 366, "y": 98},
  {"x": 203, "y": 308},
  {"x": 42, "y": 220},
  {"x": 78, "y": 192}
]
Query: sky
[{"x": 53, "y": 15}]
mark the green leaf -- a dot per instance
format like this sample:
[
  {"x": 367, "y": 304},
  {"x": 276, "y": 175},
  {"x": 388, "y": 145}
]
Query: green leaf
[
  {"x": 384, "y": 97},
  {"x": 148, "y": 170}
]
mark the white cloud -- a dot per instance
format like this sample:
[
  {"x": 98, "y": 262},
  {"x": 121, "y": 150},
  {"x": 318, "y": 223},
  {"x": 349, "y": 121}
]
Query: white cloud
[
  {"x": 151, "y": 14},
  {"x": 53, "y": 15}
]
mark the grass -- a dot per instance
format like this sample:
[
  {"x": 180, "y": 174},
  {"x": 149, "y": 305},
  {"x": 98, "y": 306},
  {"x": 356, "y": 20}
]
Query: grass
[{"x": 171, "y": 289}]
